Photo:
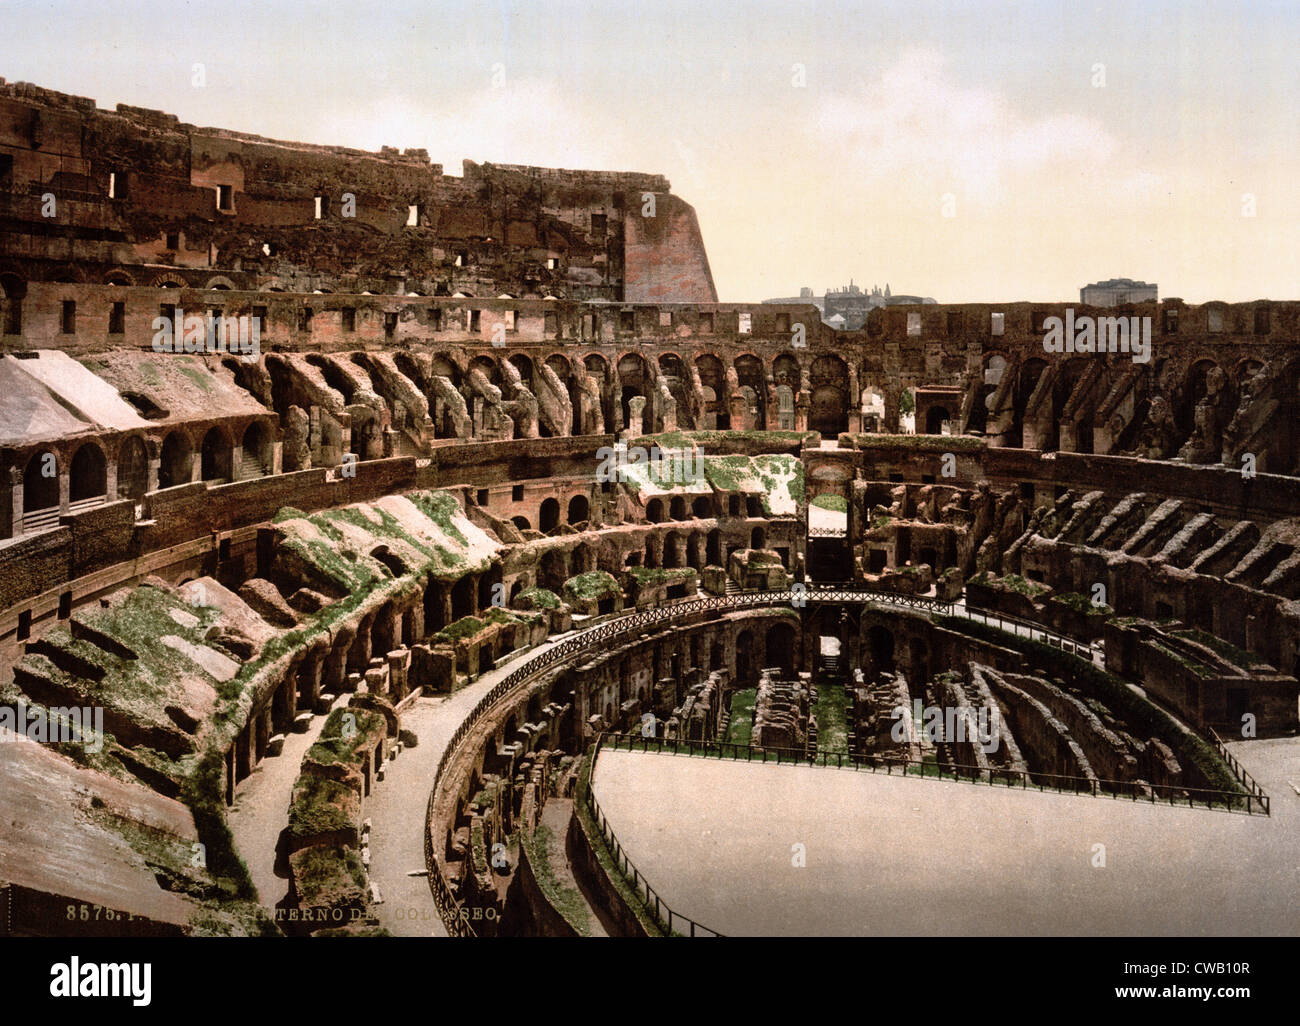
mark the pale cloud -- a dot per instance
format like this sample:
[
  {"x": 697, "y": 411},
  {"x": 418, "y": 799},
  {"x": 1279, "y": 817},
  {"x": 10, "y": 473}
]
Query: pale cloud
[
  {"x": 524, "y": 121},
  {"x": 916, "y": 122}
]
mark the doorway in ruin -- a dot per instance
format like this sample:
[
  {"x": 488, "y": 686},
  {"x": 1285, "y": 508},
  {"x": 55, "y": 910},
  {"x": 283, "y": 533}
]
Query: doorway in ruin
[{"x": 880, "y": 646}]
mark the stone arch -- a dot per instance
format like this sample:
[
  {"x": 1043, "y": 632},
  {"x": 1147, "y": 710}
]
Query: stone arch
[
  {"x": 489, "y": 368},
  {"x": 713, "y": 381},
  {"x": 258, "y": 451},
  {"x": 936, "y": 416},
  {"x": 220, "y": 283},
  {"x": 786, "y": 371},
  {"x": 39, "y": 491},
  {"x": 635, "y": 380},
  {"x": 781, "y": 647},
  {"x": 215, "y": 455},
  {"x": 462, "y": 598},
  {"x": 64, "y": 274},
  {"x": 654, "y": 511},
  {"x": 548, "y": 515},
  {"x": 829, "y": 409},
  {"x": 88, "y": 473},
  {"x": 880, "y": 647},
  {"x": 119, "y": 276},
  {"x": 753, "y": 385},
  {"x": 670, "y": 560},
  {"x": 1196, "y": 386},
  {"x": 1246, "y": 369},
  {"x": 579, "y": 510},
  {"x": 445, "y": 365},
  {"x": 521, "y": 522},
  {"x": 175, "y": 465}
]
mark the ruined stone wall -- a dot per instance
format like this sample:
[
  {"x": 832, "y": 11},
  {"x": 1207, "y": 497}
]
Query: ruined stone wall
[{"x": 199, "y": 199}]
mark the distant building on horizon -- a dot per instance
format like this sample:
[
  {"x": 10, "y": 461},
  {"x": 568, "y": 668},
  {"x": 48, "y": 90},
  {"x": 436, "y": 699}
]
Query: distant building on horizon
[
  {"x": 846, "y": 308},
  {"x": 1117, "y": 291}
]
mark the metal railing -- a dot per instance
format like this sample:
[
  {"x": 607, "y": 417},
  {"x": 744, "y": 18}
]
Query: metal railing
[
  {"x": 1244, "y": 778},
  {"x": 672, "y": 922},
  {"x": 456, "y": 918},
  {"x": 1171, "y": 794}
]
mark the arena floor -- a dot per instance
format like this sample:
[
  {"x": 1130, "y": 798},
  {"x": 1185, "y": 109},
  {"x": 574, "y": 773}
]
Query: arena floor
[{"x": 887, "y": 855}]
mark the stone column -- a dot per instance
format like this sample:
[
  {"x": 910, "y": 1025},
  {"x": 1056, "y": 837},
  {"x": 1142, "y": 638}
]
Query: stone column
[
  {"x": 16, "y": 500},
  {"x": 154, "y": 452}
]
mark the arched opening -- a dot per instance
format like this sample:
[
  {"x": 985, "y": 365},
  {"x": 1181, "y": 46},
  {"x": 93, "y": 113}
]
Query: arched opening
[
  {"x": 702, "y": 507},
  {"x": 1026, "y": 383},
  {"x": 548, "y": 517},
  {"x": 654, "y": 511},
  {"x": 880, "y": 643},
  {"x": 132, "y": 469},
  {"x": 393, "y": 562},
  {"x": 780, "y": 647},
  {"x": 713, "y": 548},
  {"x": 579, "y": 510},
  {"x": 257, "y": 459},
  {"x": 713, "y": 384},
  {"x": 88, "y": 474},
  {"x": 434, "y": 618},
  {"x": 521, "y": 523},
  {"x": 41, "y": 483},
  {"x": 634, "y": 380},
  {"x": 462, "y": 599},
  {"x": 936, "y": 418},
  {"x": 753, "y": 386},
  {"x": 757, "y": 539},
  {"x": 175, "y": 460},
  {"x": 215, "y": 460},
  {"x": 677, "y": 508},
  {"x": 872, "y": 408},
  {"x": 829, "y": 408},
  {"x": 671, "y": 543}
]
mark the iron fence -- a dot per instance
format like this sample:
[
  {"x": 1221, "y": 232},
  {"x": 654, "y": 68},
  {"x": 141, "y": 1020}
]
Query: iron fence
[
  {"x": 454, "y": 916},
  {"x": 671, "y": 921},
  {"x": 1008, "y": 776}
]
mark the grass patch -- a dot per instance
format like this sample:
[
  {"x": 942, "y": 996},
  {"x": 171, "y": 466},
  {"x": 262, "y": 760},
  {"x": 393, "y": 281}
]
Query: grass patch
[
  {"x": 832, "y": 720},
  {"x": 564, "y": 898},
  {"x": 595, "y": 584},
  {"x": 740, "y": 730},
  {"x": 834, "y": 503}
]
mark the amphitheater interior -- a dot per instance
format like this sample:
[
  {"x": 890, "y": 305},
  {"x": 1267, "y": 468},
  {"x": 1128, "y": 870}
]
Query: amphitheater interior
[{"x": 366, "y": 503}]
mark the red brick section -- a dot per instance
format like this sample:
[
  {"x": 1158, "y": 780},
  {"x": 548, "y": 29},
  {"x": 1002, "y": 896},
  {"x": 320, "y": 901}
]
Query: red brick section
[{"x": 664, "y": 256}]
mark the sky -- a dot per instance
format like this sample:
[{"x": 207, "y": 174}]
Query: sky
[{"x": 968, "y": 151}]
